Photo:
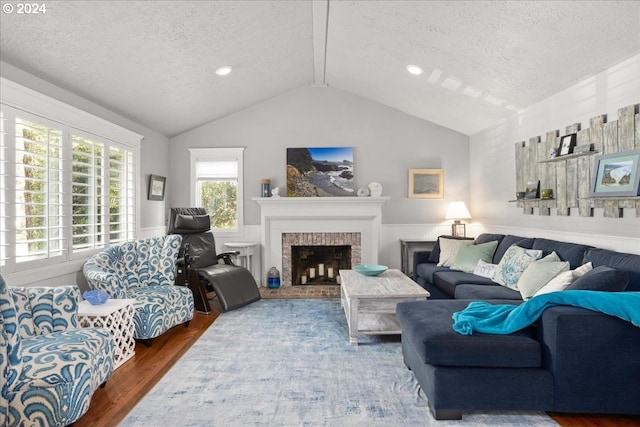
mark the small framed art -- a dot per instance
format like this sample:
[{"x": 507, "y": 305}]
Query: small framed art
[
  {"x": 426, "y": 183},
  {"x": 156, "y": 187},
  {"x": 567, "y": 143},
  {"x": 617, "y": 175}
]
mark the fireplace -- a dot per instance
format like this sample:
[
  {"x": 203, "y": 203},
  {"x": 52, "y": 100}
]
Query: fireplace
[
  {"x": 317, "y": 258},
  {"x": 319, "y": 221}
]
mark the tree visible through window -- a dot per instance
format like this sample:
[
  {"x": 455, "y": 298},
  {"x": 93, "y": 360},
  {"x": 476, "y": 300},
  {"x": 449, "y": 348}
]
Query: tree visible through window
[
  {"x": 216, "y": 176},
  {"x": 220, "y": 199}
]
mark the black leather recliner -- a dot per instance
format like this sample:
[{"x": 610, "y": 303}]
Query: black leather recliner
[{"x": 234, "y": 285}]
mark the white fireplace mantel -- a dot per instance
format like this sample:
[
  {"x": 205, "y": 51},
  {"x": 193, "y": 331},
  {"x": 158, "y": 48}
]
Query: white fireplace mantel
[{"x": 318, "y": 214}]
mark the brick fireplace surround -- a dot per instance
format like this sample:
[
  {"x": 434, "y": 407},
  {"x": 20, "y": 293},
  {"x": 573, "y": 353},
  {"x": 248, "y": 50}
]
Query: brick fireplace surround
[
  {"x": 323, "y": 217},
  {"x": 317, "y": 239}
]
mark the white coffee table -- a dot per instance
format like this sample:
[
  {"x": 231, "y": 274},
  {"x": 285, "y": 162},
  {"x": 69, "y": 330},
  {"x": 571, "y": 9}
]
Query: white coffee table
[{"x": 370, "y": 301}]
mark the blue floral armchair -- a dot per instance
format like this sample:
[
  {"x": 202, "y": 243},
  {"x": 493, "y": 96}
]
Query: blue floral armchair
[
  {"x": 50, "y": 367},
  {"x": 144, "y": 270}
]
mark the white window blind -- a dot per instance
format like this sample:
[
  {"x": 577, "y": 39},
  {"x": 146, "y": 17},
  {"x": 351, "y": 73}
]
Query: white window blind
[
  {"x": 216, "y": 175},
  {"x": 63, "y": 190}
]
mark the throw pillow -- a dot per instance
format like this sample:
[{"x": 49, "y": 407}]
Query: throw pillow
[
  {"x": 563, "y": 280},
  {"x": 485, "y": 269},
  {"x": 552, "y": 257},
  {"x": 538, "y": 274},
  {"x": 513, "y": 264},
  {"x": 468, "y": 256},
  {"x": 449, "y": 249},
  {"x": 602, "y": 278}
]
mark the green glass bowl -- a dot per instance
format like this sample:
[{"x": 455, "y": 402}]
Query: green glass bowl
[{"x": 370, "y": 270}]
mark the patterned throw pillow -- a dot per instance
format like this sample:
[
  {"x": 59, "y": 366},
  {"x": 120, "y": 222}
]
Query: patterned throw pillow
[
  {"x": 449, "y": 249},
  {"x": 513, "y": 264},
  {"x": 485, "y": 269}
]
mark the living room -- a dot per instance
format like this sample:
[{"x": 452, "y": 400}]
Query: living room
[{"x": 585, "y": 63}]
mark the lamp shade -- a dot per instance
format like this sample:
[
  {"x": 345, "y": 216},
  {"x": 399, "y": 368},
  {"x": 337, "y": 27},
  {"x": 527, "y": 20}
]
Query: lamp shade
[{"x": 458, "y": 210}]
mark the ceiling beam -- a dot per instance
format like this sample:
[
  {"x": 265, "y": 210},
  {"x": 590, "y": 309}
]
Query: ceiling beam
[{"x": 320, "y": 28}]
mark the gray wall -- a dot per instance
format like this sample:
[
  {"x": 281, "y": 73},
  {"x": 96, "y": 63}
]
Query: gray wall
[{"x": 386, "y": 144}]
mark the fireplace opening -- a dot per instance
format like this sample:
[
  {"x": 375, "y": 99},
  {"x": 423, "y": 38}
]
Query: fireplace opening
[{"x": 319, "y": 265}]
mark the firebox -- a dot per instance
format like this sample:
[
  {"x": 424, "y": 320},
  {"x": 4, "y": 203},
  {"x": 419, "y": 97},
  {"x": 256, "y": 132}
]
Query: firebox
[{"x": 319, "y": 265}]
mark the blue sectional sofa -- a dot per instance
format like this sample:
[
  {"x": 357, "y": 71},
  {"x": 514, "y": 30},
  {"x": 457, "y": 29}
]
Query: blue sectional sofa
[{"x": 570, "y": 360}]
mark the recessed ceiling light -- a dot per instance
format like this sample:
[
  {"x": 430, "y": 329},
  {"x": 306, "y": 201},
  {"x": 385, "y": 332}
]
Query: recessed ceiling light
[
  {"x": 414, "y": 69},
  {"x": 223, "y": 71}
]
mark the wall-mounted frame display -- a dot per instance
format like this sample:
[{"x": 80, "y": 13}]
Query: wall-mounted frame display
[
  {"x": 156, "y": 187},
  {"x": 567, "y": 143},
  {"x": 617, "y": 175},
  {"x": 426, "y": 183}
]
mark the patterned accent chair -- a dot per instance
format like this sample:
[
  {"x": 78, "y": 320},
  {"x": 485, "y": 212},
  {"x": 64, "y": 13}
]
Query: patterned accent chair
[
  {"x": 144, "y": 270},
  {"x": 50, "y": 367}
]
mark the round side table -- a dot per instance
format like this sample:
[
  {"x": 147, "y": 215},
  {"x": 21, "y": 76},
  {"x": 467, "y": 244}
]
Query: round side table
[{"x": 245, "y": 256}]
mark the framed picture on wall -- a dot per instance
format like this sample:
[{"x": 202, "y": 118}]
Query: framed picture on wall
[
  {"x": 426, "y": 183},
  {"x": 567, "y": 143},
  {"x": 156, "y": 187},
  {"x": 617, "y": 175}
]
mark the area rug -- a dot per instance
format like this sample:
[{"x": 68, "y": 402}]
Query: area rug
[{"x": 285, "y": 362}]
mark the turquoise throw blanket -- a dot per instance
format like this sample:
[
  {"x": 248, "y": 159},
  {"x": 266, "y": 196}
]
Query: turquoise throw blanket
[{"x": 505, "y": 319}]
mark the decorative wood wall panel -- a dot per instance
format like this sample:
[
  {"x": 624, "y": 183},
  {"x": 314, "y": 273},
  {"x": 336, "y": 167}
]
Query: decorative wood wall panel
[{"x": 570, "y": 176}]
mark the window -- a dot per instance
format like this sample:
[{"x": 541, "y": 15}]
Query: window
[
  {"x": 216, "y": 180},
  {"x": 63, "y": 191}
]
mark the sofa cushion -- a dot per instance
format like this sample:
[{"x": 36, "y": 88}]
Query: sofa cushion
[
  {"x": 507, "y": 242},
  {"x": 426, "y": 271},
  {"x": 571, "y": 252},
  {"x": 448, "y": 280},
  {"x": 487, "y": 237},
  {"x": 449, "y": 249},
  {"x": 513, "y": 264},
  {"x": 468, "y": 256},
  {"x": 602, "y": 278},
  {"x": 621, "y": 261},
  {"x": 486, "y": 292},
  {"x": 427, "y": 325},
  {"x": 434, "y": 256}
]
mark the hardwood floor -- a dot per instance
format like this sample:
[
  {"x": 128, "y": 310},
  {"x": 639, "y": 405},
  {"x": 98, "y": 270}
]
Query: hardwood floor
[{"x": 133, "y": 380}]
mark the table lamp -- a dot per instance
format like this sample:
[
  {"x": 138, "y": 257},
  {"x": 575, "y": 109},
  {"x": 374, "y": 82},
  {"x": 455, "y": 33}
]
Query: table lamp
[{"x": 457, "y": 211}]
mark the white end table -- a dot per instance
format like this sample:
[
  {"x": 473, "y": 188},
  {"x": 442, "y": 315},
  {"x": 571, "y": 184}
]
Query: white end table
[
  {"x": 245, "y": 255},
  {"x": 116, "y": 315}
]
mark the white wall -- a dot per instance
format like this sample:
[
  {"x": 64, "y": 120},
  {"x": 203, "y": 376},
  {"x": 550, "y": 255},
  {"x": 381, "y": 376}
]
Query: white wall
[
  {"x": 385, "y": 141},
  {"x": 492, "y": 168},
  {"x": 154, "y": 155}
]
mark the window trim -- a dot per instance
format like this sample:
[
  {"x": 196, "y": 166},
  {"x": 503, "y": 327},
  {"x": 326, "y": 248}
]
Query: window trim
[
  {"x": 219, "y": 154},
  {"x": 16, "y": 100}
]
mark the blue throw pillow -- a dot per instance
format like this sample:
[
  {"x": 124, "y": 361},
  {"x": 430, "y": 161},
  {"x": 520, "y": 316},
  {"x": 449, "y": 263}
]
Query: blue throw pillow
[{"x": 602, "y": 278}]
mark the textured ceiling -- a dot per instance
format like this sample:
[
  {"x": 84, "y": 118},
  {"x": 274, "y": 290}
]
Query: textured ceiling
[{"x": 154, "y": 61}]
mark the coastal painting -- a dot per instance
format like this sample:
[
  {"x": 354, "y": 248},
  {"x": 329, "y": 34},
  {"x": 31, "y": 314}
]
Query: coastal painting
[{"x": 320, "y": 172}]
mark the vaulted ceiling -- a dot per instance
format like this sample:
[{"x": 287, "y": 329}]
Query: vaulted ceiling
[{"x": 154, "y": 61}]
